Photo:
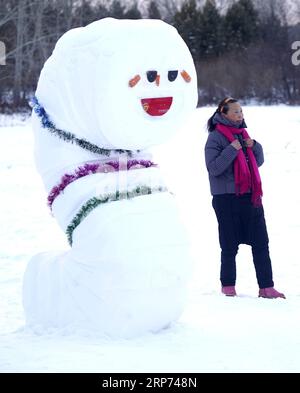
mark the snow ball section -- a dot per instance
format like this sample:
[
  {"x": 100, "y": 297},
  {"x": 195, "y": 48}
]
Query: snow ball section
[{"x": 108, "y": 93}]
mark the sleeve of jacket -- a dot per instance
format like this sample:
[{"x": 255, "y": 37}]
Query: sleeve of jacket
[
  {"x": 258, "y": 153},
  {"x": 217, "y": 157}
]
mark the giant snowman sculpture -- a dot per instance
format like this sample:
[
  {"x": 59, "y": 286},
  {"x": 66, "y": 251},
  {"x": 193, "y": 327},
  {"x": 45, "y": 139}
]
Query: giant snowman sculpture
[{"x": 110, "y": 91}]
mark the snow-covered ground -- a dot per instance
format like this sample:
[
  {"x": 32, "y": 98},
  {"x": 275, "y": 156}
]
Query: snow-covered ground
[{"x": 216, "y": 333}]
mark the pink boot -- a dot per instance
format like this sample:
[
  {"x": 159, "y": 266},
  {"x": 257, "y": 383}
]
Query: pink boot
[
  {"x": 229, "y": 290},
  {"x": 270, "y": 293}
]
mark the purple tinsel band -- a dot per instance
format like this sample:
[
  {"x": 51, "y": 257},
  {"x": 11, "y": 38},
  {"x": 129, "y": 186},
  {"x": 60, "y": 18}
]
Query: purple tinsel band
[{"x": 89, "y": 169}]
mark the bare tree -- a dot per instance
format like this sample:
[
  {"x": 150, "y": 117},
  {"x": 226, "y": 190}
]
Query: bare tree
[
  {"x": 20, "y": 26},
  {"x": 7, "y": 13}
]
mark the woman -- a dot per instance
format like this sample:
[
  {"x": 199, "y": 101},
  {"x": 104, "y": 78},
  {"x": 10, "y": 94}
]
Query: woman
[{"x": 232, "y": 160}]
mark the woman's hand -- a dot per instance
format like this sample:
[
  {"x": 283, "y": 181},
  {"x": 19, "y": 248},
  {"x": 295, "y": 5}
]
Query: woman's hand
[
  {"x": 249, "y": 142},
  {"x": 236, "y": 144}
]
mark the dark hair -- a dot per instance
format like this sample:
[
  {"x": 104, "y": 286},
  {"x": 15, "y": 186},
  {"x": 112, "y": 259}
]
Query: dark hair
[{"x": 223, "y": 107}]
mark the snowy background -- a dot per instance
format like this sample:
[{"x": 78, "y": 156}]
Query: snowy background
[{"x": 216, "y": 333}]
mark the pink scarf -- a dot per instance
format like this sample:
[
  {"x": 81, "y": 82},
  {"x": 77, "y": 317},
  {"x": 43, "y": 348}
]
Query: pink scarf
[{"x": 246, "y": 175}]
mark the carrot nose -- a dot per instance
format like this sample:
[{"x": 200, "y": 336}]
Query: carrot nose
[{"x": 157, "y": 79}]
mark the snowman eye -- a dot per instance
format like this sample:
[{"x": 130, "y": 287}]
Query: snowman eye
[
  {"x": 172, "y": 75},
  {"x": 151, "y": 75}
]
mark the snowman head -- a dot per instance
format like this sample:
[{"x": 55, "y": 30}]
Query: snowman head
[{"x": 122, "y": 84}]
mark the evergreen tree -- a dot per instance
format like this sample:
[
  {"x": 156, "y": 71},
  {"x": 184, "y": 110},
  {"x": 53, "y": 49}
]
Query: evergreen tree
[
  {"x": 210, "y": 26},
  {"x": 85, "y": 14},
  {"x": 271, "y": 29},
  {"x": 187, "y": 22},
  {"x": 133, "y": 12},
  {"x": 101, "y": 11},
  {"x": 153, "y": 11},
  {"x": 116, "y": 10},
  {"x": 241, "y": 25}
]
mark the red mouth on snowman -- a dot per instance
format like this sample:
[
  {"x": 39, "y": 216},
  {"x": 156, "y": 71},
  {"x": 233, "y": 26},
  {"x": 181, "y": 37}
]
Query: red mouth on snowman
[{"x": 156, "y": 106}]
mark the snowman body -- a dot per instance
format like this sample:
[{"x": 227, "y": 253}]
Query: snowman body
[{"x": 123, "y": 87}]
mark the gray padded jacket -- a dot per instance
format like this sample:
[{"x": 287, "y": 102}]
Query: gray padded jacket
[{"x": 219, "y": 158}]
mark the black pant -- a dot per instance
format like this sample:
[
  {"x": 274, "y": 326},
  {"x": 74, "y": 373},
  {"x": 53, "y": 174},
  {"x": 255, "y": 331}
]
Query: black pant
[{"x": 242, "y": 223}]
